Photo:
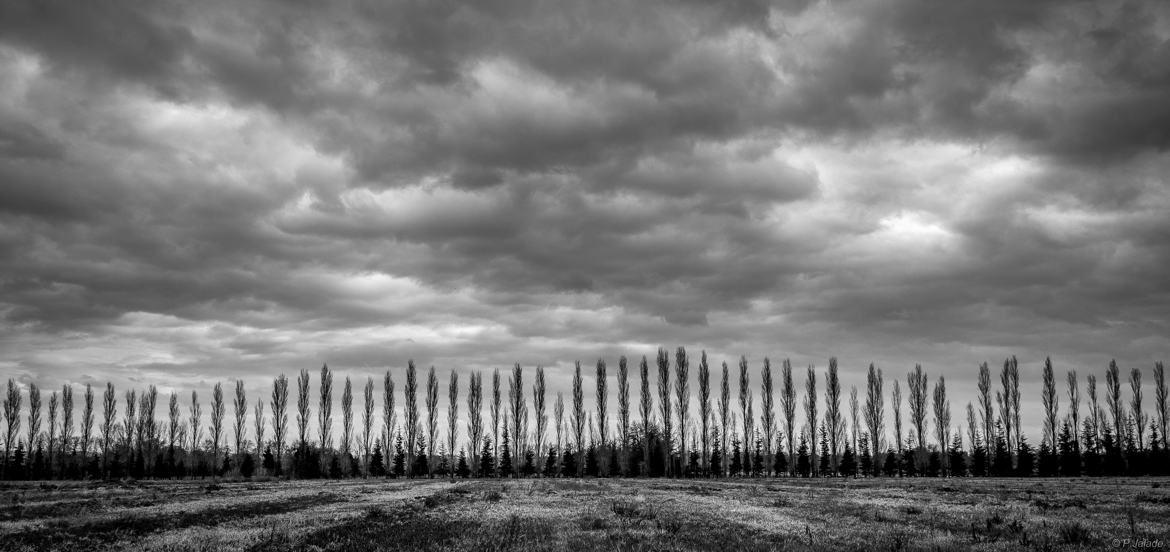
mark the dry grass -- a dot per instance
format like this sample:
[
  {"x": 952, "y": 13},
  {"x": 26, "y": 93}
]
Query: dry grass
[{"x": 778, "y": 514}]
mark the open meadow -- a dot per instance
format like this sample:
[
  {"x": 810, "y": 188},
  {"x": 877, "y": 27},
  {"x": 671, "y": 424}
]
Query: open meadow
[{"x": 590, "y": 514}]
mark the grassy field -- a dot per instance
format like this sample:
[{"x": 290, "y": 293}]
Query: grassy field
[{"x": 785, "y": 514}]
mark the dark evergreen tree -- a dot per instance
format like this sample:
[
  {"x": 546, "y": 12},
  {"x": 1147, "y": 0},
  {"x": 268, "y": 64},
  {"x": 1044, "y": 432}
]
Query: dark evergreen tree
[
  {"x": 38, "y": 463},
  {"x": 1025, "y": 459},
  {"x": 908, "y": 462},
  {"x": 591, "y": 467},
  {"x": 865, "y": 464},
  {"x": 890, "y": 465},
  {"x": 486, "y": 459},
  {"x": 716, "y": 456},
  {"x": 398, "y": 464},
  {"x": 550, "y": 464},
  {"x": 1133, "y": 454},
  {"x": 529, "y": 467},
  {"x": 569, "y": 463},
  {"x": 335, "y": 471},
  {"x": 780, "y": 466},
  {"x": 934, "y": 463},
  {"x": 693, "y": 465},
  {"x": 1001, "y": 464},
  {"x": 1090, "y": 457},
  {"x": 421, "y": 466},
  {"x": 1070, "y": 456},
  {"x": 377, "y": 462},
  {"x": 957, "y": 459},
  {"x": 1048, "y": 465},
  {"x": 17, "y": 466},
  {"x": 736, "y": 458},
  {"x": 268, "y": 462},
  {"x": 848, "y": 465},
  {"x": 505, "y": 456},
  {"x": 979, "y": 464},
  {"x": 463, "y": 470},
  {"x": 247, "y": 466},
  {"x": 1113, "y": 464},
  {"x": 1156, "y": 462},
  {"x": 803, "y": 463}
]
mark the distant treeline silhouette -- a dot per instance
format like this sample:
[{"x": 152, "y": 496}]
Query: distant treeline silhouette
[{"x": 726, "y": 440}]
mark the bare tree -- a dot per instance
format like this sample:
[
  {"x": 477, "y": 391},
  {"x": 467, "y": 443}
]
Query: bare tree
[
  {"x": 367, "y": 423},
  {"x": 346, "y": 418},
  {"x": 942, "y": 417},
  {"x": 1095, "y": 412},
  {"x": 1009, "y": 401},
  {"x": 624, "y": 411},
  {"x": 66, "y": 421},
  {"x": 578, "y": 418},
  {"x": 788, "y": 408},
  {"x": 217, "y": 412},
  {"x": 986, "y": 407},
  {"x": 432, "y": 417},
  {"x": 896, "y": 395},
  {"x": 724, "y": 414},
  {"x": 768, "y": 416},
  {"x": 34, "y": 414},
  {"x": 86, "y": 423},
  {"x": 541, "y": 414},
  {"x": 875, "y": 410},
  {"x": 810, "y": 411},
  {"x": 129, "y": 422},
  {"x": 664, "y": 406},
  {"x": 854, "y": 417},
  {"x": 109, "y": 416},
  {"x": 1113, "y": 398},
  {"x": 647, "y": 407},
  {"x": 196, "y": 417},
  {"x": 325, "y": 411},
  {"x": 12, "y": 402},
  {"x": 834, "y": 421},
  {"x": 519, "y": 410},
  {"x": 411, "y": 414},
  {"x": 279, "y": 415},
  {"x": 475, "y": 416},
  {"x": 495, "y": 412},
  {"x": 303, "y": 408},
  {"x": 916, "y": 383},
  {"x": 745, "y": 400},
  {"x": 241, "y": 410},
  {"x": 705, "y": 411},
  {"x": 559, "y": 421},
  {"x": 452, "y": 421},
  {"x": 389, "y": 416},
  {"x": 972, "y": 431},
  {"x": 1074, "y": 407},
  {"x": 1051, "y": 402},
  {"x": 54, "y": 403},
  {"x": 1161, "y": 404},
  {"x": 175, "y": 421},
  {"x": 1139, "y": 416},
  {"x": 682, "y": 395},
  {"x": 602, "y": 403},
  {"x": 147, "y": 434},
  {"x": 258, "y": 424}
]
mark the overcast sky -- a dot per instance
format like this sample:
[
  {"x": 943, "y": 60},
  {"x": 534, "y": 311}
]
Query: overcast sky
[{"x": 192, "y": 194}]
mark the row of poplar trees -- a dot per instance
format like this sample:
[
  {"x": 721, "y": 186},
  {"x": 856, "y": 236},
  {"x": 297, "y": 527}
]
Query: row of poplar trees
[{"x": 659, "y": 438}]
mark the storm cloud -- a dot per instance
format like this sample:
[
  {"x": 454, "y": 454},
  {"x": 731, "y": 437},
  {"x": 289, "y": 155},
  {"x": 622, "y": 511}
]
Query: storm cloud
[{"x": 190, "y": 193}]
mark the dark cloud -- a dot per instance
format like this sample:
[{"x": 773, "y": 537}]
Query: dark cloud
[{"x": 243, "y": 188}]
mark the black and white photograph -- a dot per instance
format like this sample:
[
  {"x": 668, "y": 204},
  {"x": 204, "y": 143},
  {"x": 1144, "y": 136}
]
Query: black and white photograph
[{"x": 585, "y": 275}]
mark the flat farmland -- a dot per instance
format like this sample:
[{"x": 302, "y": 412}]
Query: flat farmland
[{"x": 589, "y": 514}]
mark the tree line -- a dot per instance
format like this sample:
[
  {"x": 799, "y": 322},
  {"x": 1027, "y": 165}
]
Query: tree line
[{"x": 659, "y": 439}]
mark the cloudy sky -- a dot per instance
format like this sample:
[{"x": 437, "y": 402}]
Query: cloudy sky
[{"x": 192, "y": 194}]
